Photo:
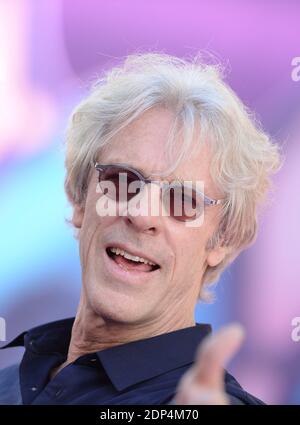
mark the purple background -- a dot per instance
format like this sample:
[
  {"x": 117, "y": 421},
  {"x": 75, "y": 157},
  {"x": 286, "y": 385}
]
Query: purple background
[{"x": 49, "y": 53}]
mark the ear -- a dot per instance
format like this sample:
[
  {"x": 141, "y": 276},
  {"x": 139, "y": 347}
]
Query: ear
[
  {"x": 78, "y": 214},
  {"x": 216, "y": 256}
]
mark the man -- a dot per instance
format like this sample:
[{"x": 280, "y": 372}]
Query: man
[{"x": 156, "y": 134}]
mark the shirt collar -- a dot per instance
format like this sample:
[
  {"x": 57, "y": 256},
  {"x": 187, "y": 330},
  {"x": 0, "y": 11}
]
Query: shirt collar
[
  {"x": 125, "y": 364},
  {"x": 137, "y": 361}
]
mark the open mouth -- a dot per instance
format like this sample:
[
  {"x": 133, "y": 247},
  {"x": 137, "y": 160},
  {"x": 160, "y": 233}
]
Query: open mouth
[{"x": 129, "y": 262}]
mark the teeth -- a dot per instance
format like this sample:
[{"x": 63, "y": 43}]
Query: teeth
[{"x": 126, "y": 254}]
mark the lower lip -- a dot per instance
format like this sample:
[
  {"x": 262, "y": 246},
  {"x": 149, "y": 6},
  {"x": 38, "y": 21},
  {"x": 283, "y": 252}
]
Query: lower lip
[{"x": 127, "y": 276}]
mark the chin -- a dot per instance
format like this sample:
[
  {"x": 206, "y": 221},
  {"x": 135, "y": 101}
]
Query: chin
[{"x": 118, "y": 307}]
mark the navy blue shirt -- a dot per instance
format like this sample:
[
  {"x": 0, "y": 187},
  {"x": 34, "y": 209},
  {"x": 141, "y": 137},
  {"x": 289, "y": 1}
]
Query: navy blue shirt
[{"x": 140, "y": 372}]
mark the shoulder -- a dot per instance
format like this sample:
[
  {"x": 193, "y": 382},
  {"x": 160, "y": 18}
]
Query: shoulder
[
  {"x": 10, "y": 392},
  {"x": 237, "y": 394}
]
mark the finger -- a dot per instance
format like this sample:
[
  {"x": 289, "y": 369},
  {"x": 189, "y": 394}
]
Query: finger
[{"x": 214, "y": 352}]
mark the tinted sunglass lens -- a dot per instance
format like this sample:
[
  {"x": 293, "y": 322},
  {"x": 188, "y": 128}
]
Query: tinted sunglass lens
[
  {"x": 123, "y": 184},
  {"x": 181, "y": 203}
]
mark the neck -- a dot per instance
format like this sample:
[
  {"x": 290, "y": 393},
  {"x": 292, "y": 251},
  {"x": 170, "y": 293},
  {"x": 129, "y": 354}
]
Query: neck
[{"x": 91, "y": 332}]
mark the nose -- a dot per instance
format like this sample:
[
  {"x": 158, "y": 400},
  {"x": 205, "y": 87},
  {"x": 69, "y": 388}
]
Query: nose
[{"x": 143, "y": 211}]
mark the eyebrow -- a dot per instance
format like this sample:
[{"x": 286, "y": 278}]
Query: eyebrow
[{"x": 170, "y": 178}]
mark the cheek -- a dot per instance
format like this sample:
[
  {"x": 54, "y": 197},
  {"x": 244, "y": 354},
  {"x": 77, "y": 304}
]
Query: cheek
[
  {"x": 87, "y": 235},
  {"x": 191, "y": 254},
  {"x": 90, "y": 235}
]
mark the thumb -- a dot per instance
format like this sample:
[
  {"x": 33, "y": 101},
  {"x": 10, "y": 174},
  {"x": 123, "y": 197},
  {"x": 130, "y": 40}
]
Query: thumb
[{"x": 215, "y": 351}]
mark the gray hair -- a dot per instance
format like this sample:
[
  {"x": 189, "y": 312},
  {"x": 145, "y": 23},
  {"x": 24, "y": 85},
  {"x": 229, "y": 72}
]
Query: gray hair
[{"x": 243, "y": 156}]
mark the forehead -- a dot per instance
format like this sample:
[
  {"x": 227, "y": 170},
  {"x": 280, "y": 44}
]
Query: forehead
[{"x": 142, "y": 145}]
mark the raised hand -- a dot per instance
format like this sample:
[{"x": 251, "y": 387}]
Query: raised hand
[{"x": 203, "y": 383}]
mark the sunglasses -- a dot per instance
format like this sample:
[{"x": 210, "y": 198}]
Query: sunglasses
[{"x": 181, "y": 201}]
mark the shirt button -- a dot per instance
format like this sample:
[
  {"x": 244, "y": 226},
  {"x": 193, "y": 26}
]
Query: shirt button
[
  {"x": 93, "y": 360},
  {"x": 33, "y": 388},
  {"x": 58, "y": 392}
]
